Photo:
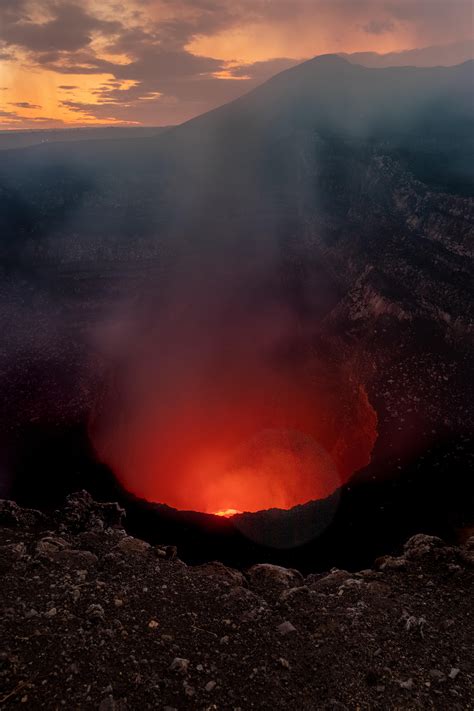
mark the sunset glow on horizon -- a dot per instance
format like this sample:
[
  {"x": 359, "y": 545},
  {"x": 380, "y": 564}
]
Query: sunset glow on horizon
[{"x": 65, "y": 63}]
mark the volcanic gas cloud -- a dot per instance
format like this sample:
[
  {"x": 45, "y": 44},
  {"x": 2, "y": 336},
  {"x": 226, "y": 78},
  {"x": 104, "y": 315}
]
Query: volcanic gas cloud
[
  {"x": 219, "y": 402},
  {"x": 230, "y": 449},
  {"x": 220, "y": 417}
]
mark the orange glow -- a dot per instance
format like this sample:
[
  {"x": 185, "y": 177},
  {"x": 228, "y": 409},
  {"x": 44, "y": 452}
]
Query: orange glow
[
  {"x": 241, "y": 449},
  {"x": 292, "y": 29},
  {"x": 46, "y": 94},
  {"x": 227, "y": 513}
]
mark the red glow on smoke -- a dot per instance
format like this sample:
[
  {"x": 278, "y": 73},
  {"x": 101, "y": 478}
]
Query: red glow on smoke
[{"x": 230, "y": 448}]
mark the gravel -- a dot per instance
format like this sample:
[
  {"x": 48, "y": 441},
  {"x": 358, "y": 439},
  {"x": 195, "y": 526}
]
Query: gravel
[{"x": 94, "y": 619}]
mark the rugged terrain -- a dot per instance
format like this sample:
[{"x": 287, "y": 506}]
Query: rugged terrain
[
  {"x": 333, "y": 203},
  {"x": 94, "y": 618}
]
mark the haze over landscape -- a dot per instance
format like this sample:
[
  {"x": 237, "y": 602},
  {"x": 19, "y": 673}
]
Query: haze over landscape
[
  {"x": 262, "y": 257},
  {"x": 221, "y": 300},
  {"x": 236, "y": 355}
]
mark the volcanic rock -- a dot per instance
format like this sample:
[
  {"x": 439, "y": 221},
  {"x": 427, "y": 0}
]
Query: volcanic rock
[
  {"x": 12, "y": 552},
  {"x": 95, "y": 612},
  {"x": 13, "y": 515},
  {"x": 293, "y": 595},
  {"x": 389, "y": 562},
  {"x": 180, "y": 665},
  {"x": 331, "y": 581},
  {"x": 231, "y": 576},
  {"x": 121, "y": 635},
  {"x": 49, "y": 545},
  {"x": 82, "y": 513},
  {"x": 264, "y": 576},
  {"x": 132, "y": 546},
  {"x": 421, "y": 545},
  {"x": 286, "y": 628}
]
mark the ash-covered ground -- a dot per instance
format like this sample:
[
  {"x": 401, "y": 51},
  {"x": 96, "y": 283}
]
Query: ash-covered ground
[{"x": 96, "y": 619}]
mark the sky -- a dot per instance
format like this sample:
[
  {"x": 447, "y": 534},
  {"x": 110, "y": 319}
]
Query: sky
[{"x": 160, "y": 62}]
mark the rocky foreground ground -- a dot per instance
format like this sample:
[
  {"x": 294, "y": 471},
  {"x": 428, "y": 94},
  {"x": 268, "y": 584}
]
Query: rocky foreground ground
[{"x": 96, "y": 619}]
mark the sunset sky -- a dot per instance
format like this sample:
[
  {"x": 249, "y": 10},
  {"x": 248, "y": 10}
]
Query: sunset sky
[{"x": 160, "y": 62}]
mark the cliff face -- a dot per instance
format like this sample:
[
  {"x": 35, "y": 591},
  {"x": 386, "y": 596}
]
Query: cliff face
[
  {"x": 93, "y": 618},
  {"x": 417, "y": 253},
  {"x": 403, "y": 250}
]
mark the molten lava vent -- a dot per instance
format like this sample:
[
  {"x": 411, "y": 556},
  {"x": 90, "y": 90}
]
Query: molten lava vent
[
  {"x": 220, "y": 402},
  {"x": 228, "y": 447}
]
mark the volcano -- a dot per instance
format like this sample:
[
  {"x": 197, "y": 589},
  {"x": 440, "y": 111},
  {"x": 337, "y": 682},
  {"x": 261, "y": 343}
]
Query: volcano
[{"x": 261, "y": 308}]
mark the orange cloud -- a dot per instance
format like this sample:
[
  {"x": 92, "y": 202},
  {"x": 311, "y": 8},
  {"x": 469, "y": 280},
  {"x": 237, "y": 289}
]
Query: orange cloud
[{"x": 160, "y": 62}]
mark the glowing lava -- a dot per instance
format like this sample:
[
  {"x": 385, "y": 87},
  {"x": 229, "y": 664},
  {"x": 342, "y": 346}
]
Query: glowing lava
[
  {"x": 244, "y": 452},
  {"x": 227, "y": 513}
]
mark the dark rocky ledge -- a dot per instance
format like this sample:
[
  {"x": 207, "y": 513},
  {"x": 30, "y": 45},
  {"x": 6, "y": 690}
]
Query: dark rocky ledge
[{"x": 96, "y": 619}]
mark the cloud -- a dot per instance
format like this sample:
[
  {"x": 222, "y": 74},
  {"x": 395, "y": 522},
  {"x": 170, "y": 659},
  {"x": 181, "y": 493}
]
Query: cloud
[
  {"x": 378, "y": 27},
  {"x": 260, "y": 71},
  {"x": 9, "y": 115},
  {"x": 170, "y": 96},
  {"x": 166, "y": 60},
  {"x": 433, "y": 21},
  {"x": 24, "y": 105},
  {"x": 446, "y": 55},
  {"x": 12, "y": 119},
  {"x": 70, "y": 28},
  {"x": 154, "y": 63},
  {"x": 158, "y": 77}
]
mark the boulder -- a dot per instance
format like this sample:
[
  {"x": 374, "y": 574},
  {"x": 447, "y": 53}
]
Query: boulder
[
  {"x": 388, "y": 562},
  {"x": 132, "y": 546},
  {"x": 296, "y": 595},
  {"x": 12, "y": 515},
  {"x": 230, "y": 575},
  {"x": 265, "y": 577},
  {"x": 422, "y": 545},
  {"x": 243, "y": 597},
  {"x": 330, "y": 582},
  {"x": 82, "y": 513},
  {"x": 49, "y": 545}
]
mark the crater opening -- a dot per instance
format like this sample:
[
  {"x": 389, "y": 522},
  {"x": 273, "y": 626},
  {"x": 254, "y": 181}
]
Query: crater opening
[
  {"x": 232, "y": 449},
  {"x": 226, "y": 398}
]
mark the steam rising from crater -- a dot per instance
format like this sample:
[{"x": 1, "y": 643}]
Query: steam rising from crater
[{"x": 221, "y": 403}]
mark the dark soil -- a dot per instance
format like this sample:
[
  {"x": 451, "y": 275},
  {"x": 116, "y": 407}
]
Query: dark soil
[{"x": 95, "y": 619}]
